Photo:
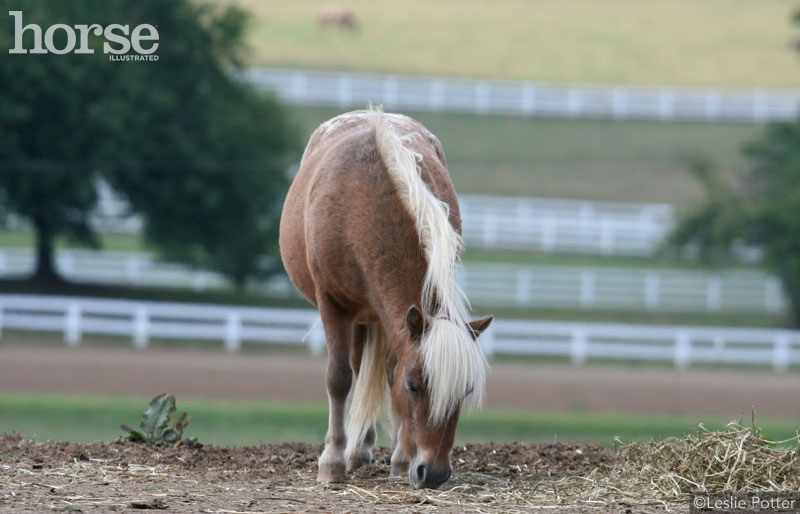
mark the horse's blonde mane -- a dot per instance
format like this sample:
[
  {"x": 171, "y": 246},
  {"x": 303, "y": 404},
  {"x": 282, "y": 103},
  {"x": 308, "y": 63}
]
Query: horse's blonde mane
[{"x": 453, "y": 363}]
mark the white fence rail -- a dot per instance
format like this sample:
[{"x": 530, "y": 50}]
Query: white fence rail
[
  {"x": 111, "y": 267},
  {"x": 518, "y": 98},
  {"x": 564, "y": 226},
  {"x": 142, "y": 321},
  {"x": 501, "y": 285},
  {"x": 621, "y": 289}
]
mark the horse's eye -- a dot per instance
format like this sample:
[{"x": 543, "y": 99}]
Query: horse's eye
[{"x": 412, "y": 387}]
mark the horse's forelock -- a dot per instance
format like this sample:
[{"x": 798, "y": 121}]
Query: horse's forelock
[{"x": 454, "y": 368}]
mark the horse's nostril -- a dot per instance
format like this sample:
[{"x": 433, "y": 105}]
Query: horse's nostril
[{"x": 422, "y": 472}]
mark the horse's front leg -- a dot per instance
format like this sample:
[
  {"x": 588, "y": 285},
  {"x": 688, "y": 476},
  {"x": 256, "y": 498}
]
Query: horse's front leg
[
  {"x": 338, "y": 332},
  {"x": 399, "y": 458}
]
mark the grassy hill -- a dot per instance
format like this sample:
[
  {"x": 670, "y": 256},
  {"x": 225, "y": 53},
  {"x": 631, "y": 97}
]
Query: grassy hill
[{"x": 713, "y": 42}]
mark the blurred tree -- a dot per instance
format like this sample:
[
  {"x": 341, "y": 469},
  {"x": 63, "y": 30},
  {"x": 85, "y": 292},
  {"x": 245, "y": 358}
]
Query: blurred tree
[
  {"x": 764, "y": 210},
  {"x": 199, "y": 155}
]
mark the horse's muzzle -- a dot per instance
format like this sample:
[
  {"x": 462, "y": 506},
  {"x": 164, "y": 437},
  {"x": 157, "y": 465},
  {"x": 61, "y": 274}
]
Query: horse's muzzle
[{"x": 424, "y": 475}]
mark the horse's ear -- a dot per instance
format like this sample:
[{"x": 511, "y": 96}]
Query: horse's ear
[
  {"x": 415, "y": 323},
  {"x": 477, "y": 327}
]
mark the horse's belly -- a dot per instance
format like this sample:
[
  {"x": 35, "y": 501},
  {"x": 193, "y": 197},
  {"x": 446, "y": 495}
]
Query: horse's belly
[{"x": 293, "y": 245}]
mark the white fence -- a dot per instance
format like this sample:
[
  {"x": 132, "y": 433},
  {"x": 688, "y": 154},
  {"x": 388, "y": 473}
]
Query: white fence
[
  {"x": 565, "y": 226},
  {"x": 621, "y": 289},
  {"x": 142, "y": 321},
  {"x": 111, "y": 267},
  {"x": 517, "y": 98},
  {"x": 501, "y": 285}
]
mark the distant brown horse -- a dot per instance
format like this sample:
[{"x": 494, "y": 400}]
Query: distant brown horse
[
  {"x": 370, "y": 233},
  {"x": 337, "y": 16}
]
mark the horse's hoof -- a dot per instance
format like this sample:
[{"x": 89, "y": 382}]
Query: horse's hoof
[
  {"x": 333, "y": 473},
  {"x": 399, "y": 468},
  {"x": 359, "y": 459}
]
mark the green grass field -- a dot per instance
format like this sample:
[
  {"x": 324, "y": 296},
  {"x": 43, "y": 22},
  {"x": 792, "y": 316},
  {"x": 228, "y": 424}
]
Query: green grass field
[
  {"x": 592, "y": 159},
  {"x": 714, "y": 42},
  {"x": 89, "y": 418}
]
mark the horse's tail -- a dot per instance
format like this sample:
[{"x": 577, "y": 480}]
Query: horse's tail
[{"x": 371, "y": 391}]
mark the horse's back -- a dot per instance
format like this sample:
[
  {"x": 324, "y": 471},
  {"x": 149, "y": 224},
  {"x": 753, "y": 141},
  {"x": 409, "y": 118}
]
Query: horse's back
[{"x": 342, "y": 210}]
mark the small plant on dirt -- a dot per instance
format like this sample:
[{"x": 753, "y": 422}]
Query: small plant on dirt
[{"x": 155, "y": 428}]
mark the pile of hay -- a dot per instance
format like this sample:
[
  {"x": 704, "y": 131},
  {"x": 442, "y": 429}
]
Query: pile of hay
[{"x": 738, "y": 458}]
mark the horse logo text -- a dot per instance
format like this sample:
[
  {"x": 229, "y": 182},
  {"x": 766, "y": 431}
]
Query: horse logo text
[{"x": 120, "y": 39}]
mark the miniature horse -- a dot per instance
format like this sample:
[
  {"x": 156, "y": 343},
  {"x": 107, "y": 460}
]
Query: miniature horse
[{"x": 370, "y": 234}]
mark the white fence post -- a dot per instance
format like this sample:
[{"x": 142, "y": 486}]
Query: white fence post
[
  {"x": 437, "y": 95},
  {"x": 780, "y": 353},
  {"x": 72, "y": 324},
  {"x": 490, "y": 230},
  {"x": 233, "y": 331},
  {"x": 718, "y": 343},
  {"x": 587, "y": 289},
  {"x": 652, "y": 291},
  {"x": 67, "y": 262},
  {"x": 586, "y": 219},
  {"x": 666, "y": 104},
  {"x": 759, "y": 101},
  {"x": 528, "y": 100},
  {"x": 132, "y": 267},
  {"x": 524, "y": 279},
  {"x": 574, "y": 102},
  {"x": 199, "y": 281},
  {"x": 390, "y": 92},
  {"x": 712, "y": 105},
  {"x": 548, "y": 233},
  {"x": 713, "y": 293},
  {"x": 683, "y": 350},
  {"x": 606, "y": 237},
  {"x": 301, "y": 86},
  {"x": 620, "y": 103},
  {"x": 772, "y": 301},
  {"x": 316, "y": 338},
  {"x": 579, "y": 347},
  {"x": 481, "y": 97},
  {"x": 345, "y": 91},
  {"x": 141, "y": 328}
]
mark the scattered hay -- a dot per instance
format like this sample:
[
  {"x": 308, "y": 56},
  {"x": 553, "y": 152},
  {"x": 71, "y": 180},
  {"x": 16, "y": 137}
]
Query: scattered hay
[{"x": 738, "y": 458}]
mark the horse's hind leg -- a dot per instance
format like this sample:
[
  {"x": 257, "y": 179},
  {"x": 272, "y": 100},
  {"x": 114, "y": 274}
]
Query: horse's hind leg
[
  {"x": 338, "y": 332},
  {"x": 363, "y": 454}
]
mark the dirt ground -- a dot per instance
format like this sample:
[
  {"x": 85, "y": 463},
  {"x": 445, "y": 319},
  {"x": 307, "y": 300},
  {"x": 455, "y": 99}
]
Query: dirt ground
[
  {"x": 285, "y": 376},
  {"x": 125, "y": 477}
]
